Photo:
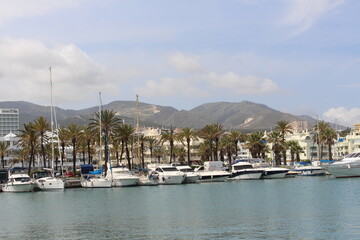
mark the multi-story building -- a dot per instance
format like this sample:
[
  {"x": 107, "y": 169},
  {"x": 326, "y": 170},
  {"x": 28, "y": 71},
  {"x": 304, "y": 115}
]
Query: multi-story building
[{"x": 9, "y": 122}]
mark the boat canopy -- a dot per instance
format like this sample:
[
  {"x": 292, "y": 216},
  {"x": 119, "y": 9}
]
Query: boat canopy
[{"x": 86, "y": 168}]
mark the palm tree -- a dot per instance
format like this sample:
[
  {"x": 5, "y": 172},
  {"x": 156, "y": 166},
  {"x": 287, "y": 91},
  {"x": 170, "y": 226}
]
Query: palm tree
[
  {"x": 124, "y": 133},
  {"x": 180, "y": 153},
  {"x": 255, "y": 142},
  {"x": 212, "y": 133},
  {"x": 151, "y": 143},
  {"x": 159, "y": 152},
  {"x": 63, "y": 139},
  {"x": 235, "y": 137},
  {"x": 295, "y": 150},
  {"x": 28, "y": 137},
  {"x": 169, "y": 136},
  {"x": 227, "y": 148},
  {"x": 329, "y": 136},
  {"x": 284, "y": 128},
  {"x": 319, "y": 129},
  {"x": 42, "y": 126},
  {"x": 88, "y": 137},
  {"x": 109, "y": 121},
  {"x": 188, "y": 134},
  {"x": 74, "y": 133},
  {"x": 4, "y": 147},
  {"x": 276, "y": 139}
]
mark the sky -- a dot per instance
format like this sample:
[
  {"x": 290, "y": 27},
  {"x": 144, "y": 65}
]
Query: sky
[{"x": 296, "y": 56}]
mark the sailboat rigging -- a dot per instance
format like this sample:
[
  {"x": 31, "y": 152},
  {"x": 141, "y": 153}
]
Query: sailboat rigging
[{"x": 51, "y": 182}]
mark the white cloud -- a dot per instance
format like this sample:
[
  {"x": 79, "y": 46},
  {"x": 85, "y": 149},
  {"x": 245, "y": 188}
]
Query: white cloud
[
  {"x": 243, "y": 84},
  {"x": 11, "y": 10},
  {"x": 185, "y": 63},
  {"x": 24, "y": 73},
  {"x": 304, "y": 13},
  {"x": 343, "y": 116},
  {"x": 170, "y": 87}
]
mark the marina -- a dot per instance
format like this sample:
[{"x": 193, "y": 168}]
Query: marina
[{"x": 265, "y": 209}]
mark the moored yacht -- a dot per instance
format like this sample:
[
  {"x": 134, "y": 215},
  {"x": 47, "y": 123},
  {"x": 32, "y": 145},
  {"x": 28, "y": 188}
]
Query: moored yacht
[
  {"x": 48, "y": 182},
  {"x": 347, "y": 167},
  {"x": 18, "y": 182},
  {"x": 212, "y": 171},
  {"x": 269, "y": 171},
  {"x": 244, "y": 170},
  {"x": 122, "y": 177},
  {"x": 94, "y": 179},
  {"x": 148, "y": 179},
  {"x": 168, "y": 174},
  {"x": 308, "y": 170},
  {"x": 191, "y": 175}
]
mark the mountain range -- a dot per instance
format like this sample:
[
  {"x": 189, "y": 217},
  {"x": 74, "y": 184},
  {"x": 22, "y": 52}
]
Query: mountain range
[{"x": 245, "y": 115}]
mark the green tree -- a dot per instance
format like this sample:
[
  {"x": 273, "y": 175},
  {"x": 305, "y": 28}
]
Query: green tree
[
  {"x": 284, "y": 128},
  {"x": 277, "y": 145},
  {"x": 255, "y": 142},
  {"x": 212, "y": 134},
  {"x": 329, "y": 136},
  {"x": 295, "y": 150},
  {"x": 4, "y": 148},
  {"x": 74, "y": 134},
  {"x": 188, "y": 134},
  {"x": 124, "y": 133},
  {"x": 28, "y": 138},
  {"x": 109, "y": 122},
  {"x": 169, "y": 136},
  {"x": 41, "y": 125}
]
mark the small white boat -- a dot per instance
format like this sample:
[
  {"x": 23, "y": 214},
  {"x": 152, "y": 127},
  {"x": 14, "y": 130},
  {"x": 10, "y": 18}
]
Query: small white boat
[
  {"x": 122, "y": 177},
  {"x": 94, "y": 179},
  {"x": 168, "y": 174},
  {"x": 212, "y": 171},
  {"x": 191, "y": 175},
  {"x": 271, "y": 172},
  {"x": 347, "y": 167},
  {"x": 241, "y": 170},
  {"x": 149, "y": 179},
  {"x": 19, "y": 182},
  {"x": 309, "y": 170},
  {"x": 49, "y": 183}
]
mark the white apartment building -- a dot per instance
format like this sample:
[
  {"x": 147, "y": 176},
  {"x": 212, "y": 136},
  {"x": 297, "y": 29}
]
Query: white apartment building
[{"x": 9, "y": 122}]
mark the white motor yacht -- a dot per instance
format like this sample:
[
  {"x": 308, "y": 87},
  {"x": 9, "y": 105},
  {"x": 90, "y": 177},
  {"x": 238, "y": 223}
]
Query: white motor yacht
[
  {"x": 308, "y": 170},
  {"x": 122, "y": 177},
  {"x": 149, "y": 179},
  {"x": 168, "y": 174},
  {"x": 271, "y": 172},
  {"x": 244, "y": 170},
  {"x": 19, "y": 182},
  {"x": 212, "y": 171},
  {"x": 191, "y": 175},
  {"x": 48, "y": 182},
  {"x": 347, "y": 167}
]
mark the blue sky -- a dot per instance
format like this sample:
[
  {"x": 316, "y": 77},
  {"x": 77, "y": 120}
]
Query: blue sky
[{"x": 296, "y": 56}]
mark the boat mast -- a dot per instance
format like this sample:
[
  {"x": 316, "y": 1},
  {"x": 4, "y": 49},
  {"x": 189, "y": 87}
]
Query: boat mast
[
  {"x": 52, "y": 126},
  {"x": 137, "y": 128},
  {"x": 100, "y": 129}
]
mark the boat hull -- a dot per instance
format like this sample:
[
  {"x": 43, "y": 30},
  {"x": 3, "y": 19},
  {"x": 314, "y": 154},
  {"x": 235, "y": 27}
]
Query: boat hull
[
  {"x": 191, "y": 178},
  {"x": 246, "y": 175},
  {"x": 208, "y": 177},
  {"x": 171, "y": 179},
  {"x": 50, "y": 184},
  {"x": 96, "y": 183},
  {"x": 125, "y": 182},
  {"x": 344, "y": 170},
  {"x": 18, "y": 187},
  {"x": 274, "y": 173}
]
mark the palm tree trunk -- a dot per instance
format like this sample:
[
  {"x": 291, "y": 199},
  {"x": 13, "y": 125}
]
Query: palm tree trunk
[
  {"x": 89, "y": 152},
  {"x": 128, "y": 156},
  {"x": 330, "y": 152},
  {"x": 74, "y": 157},
  {"x": 188, "y": 151}
]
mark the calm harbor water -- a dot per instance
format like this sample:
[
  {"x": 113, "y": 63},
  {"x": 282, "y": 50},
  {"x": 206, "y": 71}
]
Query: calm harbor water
[{"x": 295, "y": 208}]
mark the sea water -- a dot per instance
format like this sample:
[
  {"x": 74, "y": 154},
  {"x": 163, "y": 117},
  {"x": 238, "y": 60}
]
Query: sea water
[{"x": 294, "y": 208}]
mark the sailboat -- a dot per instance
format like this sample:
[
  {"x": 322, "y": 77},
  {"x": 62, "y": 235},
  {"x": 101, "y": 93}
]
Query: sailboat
[
  {"x": 50, "y": 182},
  {"x": 98, "y": 178}
]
